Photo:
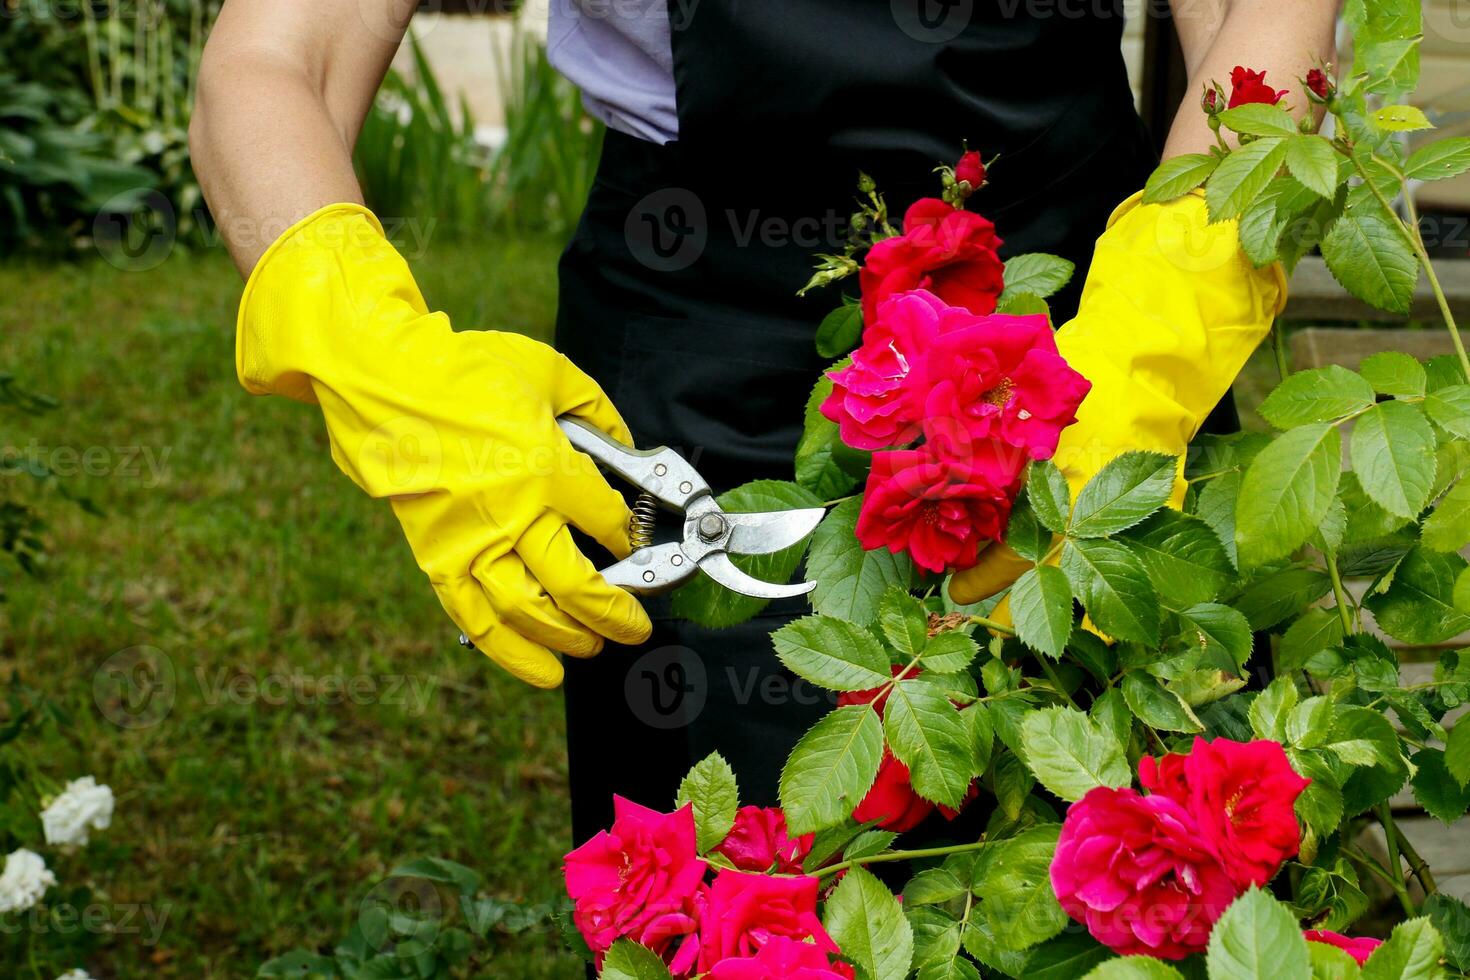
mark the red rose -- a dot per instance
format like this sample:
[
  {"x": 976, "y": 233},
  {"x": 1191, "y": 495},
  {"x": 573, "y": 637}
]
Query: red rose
[
  {"x": 970, "y": 168},
  {"x": 1318, "y": 84},
  {"x": 1242, "y": 795},
  {"x": 640, "y": 879},
  {"x": 782, "y": 959},
  {"x": 892, "y": 800},
  {"x": 759, "y": 842},
  {"x": 1250, "y": 86},
  {"x": 951, "y": 253},
  {"x": 1358, "y": 947},
  {"x": 1000, "y": 377},
  {"x": 939, "y": 507},
  {"x": 1133, "y": 870},
  {"x": 746, "y": 911},
  {"x": 1210, "y": 102}
]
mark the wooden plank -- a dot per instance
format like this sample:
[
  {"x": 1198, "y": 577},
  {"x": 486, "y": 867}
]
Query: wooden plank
[
  {"x": 1347, "y": 346},
  {"x": 1315, "y": 296}
]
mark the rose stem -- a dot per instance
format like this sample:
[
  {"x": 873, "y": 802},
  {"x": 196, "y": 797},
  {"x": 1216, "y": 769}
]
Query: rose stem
[
  {"x": 899, "y": 856},
  {"x": 1278, "y": 346},
  {"x": 1395, "y": 863},
  {"x": 1339, "y": 593},
  {"x": 991, "y": 624}
]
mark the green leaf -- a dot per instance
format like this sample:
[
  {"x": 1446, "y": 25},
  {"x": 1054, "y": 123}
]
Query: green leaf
[
  {"x": 1041, "y": 607},
  {"x": 1037, "y": 274},
  {"x": 930, "y": 736},
  {"x": 1243, "y": 175},
  {"x": 865, "y": 919},
  {"x": 1157, "y": 706},
  {"x": 1257, "y": 939},
  {"x": 1451, "y": 917},
  {"x": 831, "y": 768},
  {"x": 1178, "y": 176},
  {"x": 1393, "y": 456},
  {"x": 1439, "y": 160},
  {"x": 440, "y": 870},
  {"x": 840, "y": 331},
  {"x": 949, "y": 652},
  {"x": 958, "y": 968},
  {"x": 1114, "y": 588},
  {"x": 937, "y": 934},
  {"x": 832, "y": 653},
  {"x": 1411, "y": 952},
  {"x": 1216, "y": 507},
  {"x": 1278, "y": 595},
  {"x": 1066, "y": 957},
  {"x": 1448, "y": 528},
  {"x": 1395, "y": 373},
  {"x": 1286, "y": 492},
  {"x": 1023, "y": 304},
  {"x": 1457, "y": 752},
  {"x": 707, "y": 603},
  {"x": 1259, "y": 119},
  {"x": 1449, "y": 407},
  {"x": 933, "y": 887},
  {"x": 826, "y": 465},
  {"x": 1271, "y": 710},
  {"x": 1184, "y": 558},
  {"x": 904, "y": 622},
  {"x": 1364, "y": 737},
  {"x": 1317, "y": 395},
  {"x": 626, "y": 960},
  {"x": 1070, "y": 754},
  {"x": 1315, "y": 631},
  {"x": 1419, "y": 607},
  {"x": 1217, "y": 628},
  {"x": 1134, "y": 968},
  {"x": 1372, "y": 260},
  {"x": 1401, "y": 119},
  {"x": 1024, "y": 533},
  {"x": 1437, "y": 791},
  {"x": 1312, "y": 160},
  {"x": 1049, "y": 494},
  {"x": 1014, "y": 876},
  {"x": 850, "y": 581},
  {"x": 1331, "y": 963},
  {"x": 1124, "y": 492},
  {"x": 711, "y": 788}
]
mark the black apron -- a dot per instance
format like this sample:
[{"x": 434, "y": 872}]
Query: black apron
[{"x": 678, "y": 290}]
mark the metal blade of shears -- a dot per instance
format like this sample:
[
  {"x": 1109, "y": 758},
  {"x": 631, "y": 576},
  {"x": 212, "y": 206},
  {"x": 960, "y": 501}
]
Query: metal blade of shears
[
  {"x": 764, "y": 533},
  {"x": 719, "y": 567}
]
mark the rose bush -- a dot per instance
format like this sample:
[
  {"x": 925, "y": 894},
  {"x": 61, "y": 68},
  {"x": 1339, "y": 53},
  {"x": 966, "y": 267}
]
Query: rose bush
[{"x": 1133, "y": 807}]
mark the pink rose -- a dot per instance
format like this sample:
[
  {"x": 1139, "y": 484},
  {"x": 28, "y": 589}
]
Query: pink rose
[
  {"x": 641, "y": 879},
  {"x": 948, "y": 252},
  {"x": 936, "y": 507},
  {"x": 782, "y": 959},
  {"x": 747, "y": 911},
  {"x": 1243, "y": 797},
  {"x": 1000, "y": 377},
  {"x": 1250, "y": 86},
  {"x": 759, "y": 842},
  {"x": 878, "y": 399},
  {"x": 1358, "y": 947},
  {"x": 1133, "y": 870}
]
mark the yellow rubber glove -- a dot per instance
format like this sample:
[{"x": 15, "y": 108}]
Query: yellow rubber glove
[
  {"x": 457, "y": 430},
  {"x": 1171, "y": 310}
]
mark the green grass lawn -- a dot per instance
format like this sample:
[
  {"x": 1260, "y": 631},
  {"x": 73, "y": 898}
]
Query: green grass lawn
[{"x": 262, "y": 808}]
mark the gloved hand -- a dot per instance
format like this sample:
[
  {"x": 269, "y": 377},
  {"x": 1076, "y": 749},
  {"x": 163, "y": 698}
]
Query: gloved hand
[
  {"x": 457, "y": 430},
  {"x": 1171, "y": 310}
]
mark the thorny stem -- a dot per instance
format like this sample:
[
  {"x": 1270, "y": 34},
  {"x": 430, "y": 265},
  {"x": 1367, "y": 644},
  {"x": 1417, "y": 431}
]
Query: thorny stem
[
  {"x": 1278, "y": 347},
  {"x": 1416, "y": 863},
  {"x": 886, "y": 856},
  {"x": 1416, "y": 242},
  {"x": 1395, "y": 863},
  {"x": 1392, "y": 880},
  {"x": 1340, "y": 594}
]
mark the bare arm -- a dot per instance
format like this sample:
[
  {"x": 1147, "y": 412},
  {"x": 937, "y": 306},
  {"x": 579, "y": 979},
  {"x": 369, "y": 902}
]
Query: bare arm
[
  {"x": 1283, "y": 39},
  {"x": 284, "y": 88}
]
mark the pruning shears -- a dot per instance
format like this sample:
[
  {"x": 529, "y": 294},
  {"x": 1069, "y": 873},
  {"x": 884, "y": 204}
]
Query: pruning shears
[{"x": 710, "y": 535}]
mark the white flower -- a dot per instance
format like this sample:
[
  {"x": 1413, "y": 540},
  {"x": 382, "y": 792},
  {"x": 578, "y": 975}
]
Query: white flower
[
  {"x": 74, "y": 975},
  {"x": 81, "y": 807},
  {"x": 24, "y": 880}
]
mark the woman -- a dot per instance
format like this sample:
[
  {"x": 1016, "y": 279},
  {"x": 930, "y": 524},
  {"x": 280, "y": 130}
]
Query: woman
[{"x": 736, "y": 134}]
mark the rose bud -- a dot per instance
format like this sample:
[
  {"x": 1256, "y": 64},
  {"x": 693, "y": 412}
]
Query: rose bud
[
  {"x": 1318, "y": 85},
  {"x": 970, "y": 169}
]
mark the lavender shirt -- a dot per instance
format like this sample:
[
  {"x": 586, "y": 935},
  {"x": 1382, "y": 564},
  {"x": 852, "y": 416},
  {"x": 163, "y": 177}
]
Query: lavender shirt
[{"x": 619, "y": 53}]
